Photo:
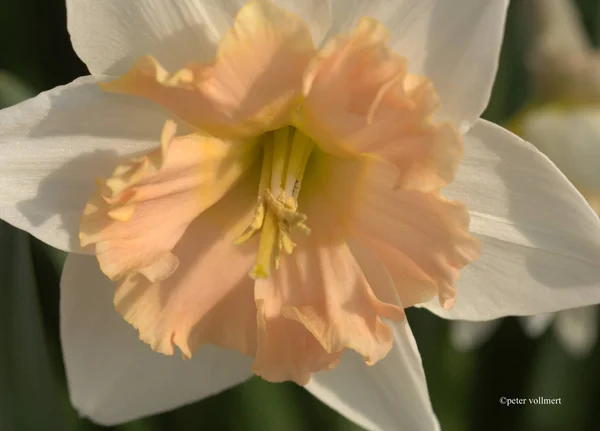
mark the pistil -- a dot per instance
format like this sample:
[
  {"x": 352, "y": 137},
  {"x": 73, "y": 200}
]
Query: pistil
[{"x": 285, "y": 156}]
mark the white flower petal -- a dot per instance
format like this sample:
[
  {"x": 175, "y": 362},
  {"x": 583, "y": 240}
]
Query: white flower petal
[
  {"x": 535, "y": 326},
  {"x": 466, "y": 336},
  {"x": 577, "y": 330},
  {"x": 570, "y": 138},
  {"x": 455, "y": 44},
  {"x": 389, "y": 395},
  {"x": 109, "y": 35},
  {"x": 113, "y": 377},
  {"x": 540, "y": 239},
  {"x": 54, "y": 145}
]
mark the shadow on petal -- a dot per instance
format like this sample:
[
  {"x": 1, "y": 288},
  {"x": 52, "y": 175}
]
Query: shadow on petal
[
  {"x": 553, "y": 220},
  {"x": 79, "y": 120},
  {"x": 64, "y": 192},
  {"x": 142, "y": 28},
  {"x": 110, "y": 373},
  {"x": 86, "y": 110}
]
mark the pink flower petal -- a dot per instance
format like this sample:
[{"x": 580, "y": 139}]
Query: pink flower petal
[
  {"x": 360, "y": 99},
  {"x": 209, "y": 299},
  {"x": 421, "y": 237},
  {"x": 322, "y": 287},
  {"x": 143, "y": 209},
  {"x": 250, "y": 88}
]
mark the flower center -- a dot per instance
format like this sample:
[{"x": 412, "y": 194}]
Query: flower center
[{"x": 285, "y": 156}]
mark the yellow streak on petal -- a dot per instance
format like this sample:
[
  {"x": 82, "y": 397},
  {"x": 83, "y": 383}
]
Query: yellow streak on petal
[{"x": 123, "y": 213}]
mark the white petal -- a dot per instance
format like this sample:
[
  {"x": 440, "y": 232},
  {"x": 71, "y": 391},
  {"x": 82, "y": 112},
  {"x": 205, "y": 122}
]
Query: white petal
[
  {"x": 54, "y": 145},
  {"x": 577, "y": 330},
  {"x": 389, "y": 395},
  {"x": 112, "y": 376},
  {"x": 540, "y": 238},
  {"x": 466, "y": 336},
  {"x": 456, "y": 44},
  {"x": 570, "y": 138},
  {"x": 535, "y": 326},
  {"x": 109, "y": 35}
]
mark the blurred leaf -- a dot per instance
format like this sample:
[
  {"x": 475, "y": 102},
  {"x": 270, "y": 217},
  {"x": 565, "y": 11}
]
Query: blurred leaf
[
  {"x": 450, "y": 374},
  {"x": 35, "y": 43},
  {"x": 269, "y": 407},
  {"x": 558, "y": 375},
  {"x": 31, "y": 396},
  {"x": 149, "y": 424},
  {"x": 504, "y": 364},
  {"x": 511, "y": 89},
  {"x": 258, "y": 405},
  {"x": 13, "y": 90}
]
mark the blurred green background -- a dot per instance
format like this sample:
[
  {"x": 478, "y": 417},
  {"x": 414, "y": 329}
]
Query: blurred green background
[{"x": 36, "y": 55}]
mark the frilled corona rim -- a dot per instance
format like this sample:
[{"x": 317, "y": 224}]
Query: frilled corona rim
[{"x": 303, "y": 162}]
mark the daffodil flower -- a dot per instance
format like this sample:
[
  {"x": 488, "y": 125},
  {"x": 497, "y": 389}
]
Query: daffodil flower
[
  {"x": 269, "y": 199},
  {"x": 563, "y": 121}
]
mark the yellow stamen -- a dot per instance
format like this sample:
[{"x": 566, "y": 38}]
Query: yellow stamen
[
  {"x": 265, "y": 179},
  {"x": 286, "y": 154},
  {"x": 280, "y": 159},
  {"x": 265, "y": 248},
  {"x": 302, "y": 147},
  {"x": 265, "y": 174}
]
